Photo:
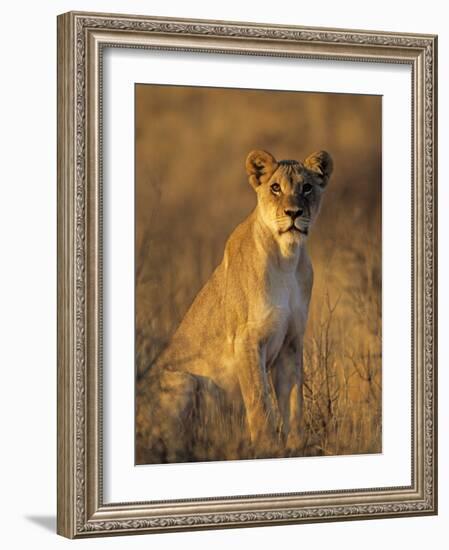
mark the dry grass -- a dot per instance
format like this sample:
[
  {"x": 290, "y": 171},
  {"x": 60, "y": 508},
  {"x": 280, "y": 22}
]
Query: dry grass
[{"x": 191, "y": 191}]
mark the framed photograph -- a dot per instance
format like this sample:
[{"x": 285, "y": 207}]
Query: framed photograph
[{"x": 246, "y": 274}]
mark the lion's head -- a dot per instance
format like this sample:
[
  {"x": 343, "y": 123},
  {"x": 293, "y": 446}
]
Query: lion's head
[{"x": 288, "y": 191}]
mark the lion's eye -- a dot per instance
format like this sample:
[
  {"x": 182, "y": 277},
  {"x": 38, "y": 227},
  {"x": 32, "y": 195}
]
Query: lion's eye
[
  {"x": 306, "y": 188},
  {"x": 275, "y": 188}
]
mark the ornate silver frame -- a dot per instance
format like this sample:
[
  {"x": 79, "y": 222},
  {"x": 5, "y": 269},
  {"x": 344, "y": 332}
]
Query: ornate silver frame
[{"x": 81, "y": 39}]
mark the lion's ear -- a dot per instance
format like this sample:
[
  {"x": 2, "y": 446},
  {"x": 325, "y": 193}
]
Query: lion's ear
[
  {"x": 322, "y": 164},
  {"x": 260, "y": 164}
]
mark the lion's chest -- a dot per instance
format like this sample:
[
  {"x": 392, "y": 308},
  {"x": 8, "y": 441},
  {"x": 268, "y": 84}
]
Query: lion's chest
[{"x": 285, "y": 313}]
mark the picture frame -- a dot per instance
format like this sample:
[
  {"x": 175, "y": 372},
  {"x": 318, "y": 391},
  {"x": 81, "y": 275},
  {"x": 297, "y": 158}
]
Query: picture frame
[{"x": 82, "y": 509}]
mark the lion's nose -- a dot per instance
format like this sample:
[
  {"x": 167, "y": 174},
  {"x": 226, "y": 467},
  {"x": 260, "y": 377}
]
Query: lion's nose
[{"x": 294, "y": 212}]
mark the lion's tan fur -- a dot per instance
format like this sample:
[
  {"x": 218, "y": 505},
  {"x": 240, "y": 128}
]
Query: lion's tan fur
[{"x": 240, "y": 343}]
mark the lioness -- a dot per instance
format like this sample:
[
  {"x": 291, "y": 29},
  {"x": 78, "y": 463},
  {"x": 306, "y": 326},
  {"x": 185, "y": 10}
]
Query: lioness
[{"x": 241, "y": 341}]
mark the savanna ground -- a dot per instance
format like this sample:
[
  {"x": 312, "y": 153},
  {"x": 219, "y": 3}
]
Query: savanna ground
[{"x": 192, "y": 190}]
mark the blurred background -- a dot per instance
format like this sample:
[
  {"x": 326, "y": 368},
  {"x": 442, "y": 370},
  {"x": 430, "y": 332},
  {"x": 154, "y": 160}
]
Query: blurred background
[{"x": 192, "y": 190}]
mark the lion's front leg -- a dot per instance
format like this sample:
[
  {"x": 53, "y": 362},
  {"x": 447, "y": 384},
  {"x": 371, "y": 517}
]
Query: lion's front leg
[
  {"x": 259, "y": 397},
  {"x": 296, "y": 403},
  {"x": 288, "y": 380}
]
